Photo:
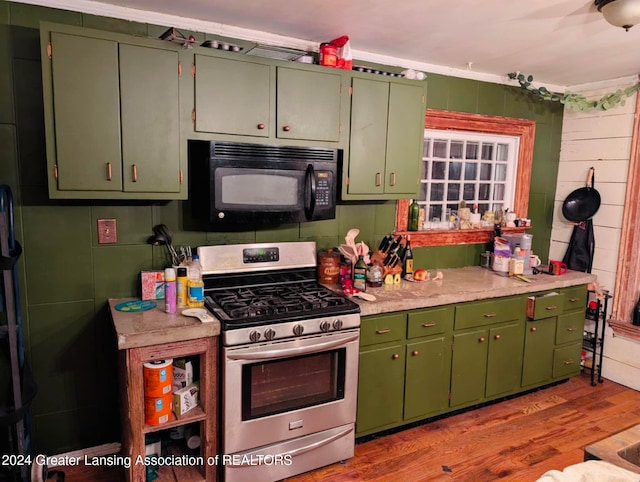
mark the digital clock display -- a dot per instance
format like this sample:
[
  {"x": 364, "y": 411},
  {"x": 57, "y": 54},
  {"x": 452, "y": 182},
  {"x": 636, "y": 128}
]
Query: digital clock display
[{"x": 260, "y": 255}]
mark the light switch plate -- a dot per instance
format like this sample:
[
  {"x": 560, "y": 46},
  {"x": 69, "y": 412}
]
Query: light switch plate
[{"x": 107, "y": 231}]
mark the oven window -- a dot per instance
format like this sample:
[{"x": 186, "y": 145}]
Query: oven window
[
  {"x": 282, "y": 385},
  {"x": 256, "y": 187}
]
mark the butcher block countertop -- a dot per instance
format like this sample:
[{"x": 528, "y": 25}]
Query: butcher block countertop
[
  {"x": 460, "y": 285},
  {"x": 155, "y": 326}
]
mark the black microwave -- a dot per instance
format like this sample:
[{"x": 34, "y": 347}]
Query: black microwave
[{"x": 236, "y": 183}]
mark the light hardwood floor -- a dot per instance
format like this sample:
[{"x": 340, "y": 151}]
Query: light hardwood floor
[{"x": 514, "y": 440}]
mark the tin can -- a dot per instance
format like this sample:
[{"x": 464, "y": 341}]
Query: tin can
[
  {"x": 328, "y": 55},
  {"x": 328, "y": 267}
]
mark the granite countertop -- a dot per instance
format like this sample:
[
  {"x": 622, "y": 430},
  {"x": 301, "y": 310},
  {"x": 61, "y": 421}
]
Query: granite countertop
[
  {"x": 459, "y": 285},
  {"x": 155, "y": 326}
]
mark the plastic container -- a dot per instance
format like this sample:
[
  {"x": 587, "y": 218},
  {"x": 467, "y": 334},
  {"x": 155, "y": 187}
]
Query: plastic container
[
  {"x": 158, "y": 377},
  {"x": 170, "y": 290},
  {"x": 195, "y": 285},
  {"x": 328, "y": 55}
]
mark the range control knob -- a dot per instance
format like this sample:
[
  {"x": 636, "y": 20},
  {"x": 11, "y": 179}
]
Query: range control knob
[
  {"x": 254, "y": 336},
  {"x": 269, "y": 334},
  {"x": 325, "y": 326},
  {"x": 298, "y": 329},
  {"x": 337, "y": 324}
]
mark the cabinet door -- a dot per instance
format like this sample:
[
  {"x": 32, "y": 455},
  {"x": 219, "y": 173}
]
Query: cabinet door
[
  {"x": 380, "y": 387},
  {"x": 504, "y": 362},
  {"x": 86, "y": 107},
  {"x": 368, "y": 140},
  {"x": 308, "y": 105},
  {"x": 404, "y": 139},
  {"x": 427, "y": 377},
  {"x": 469, "y": 367},
  {"x": 232, "y": 96},
  {"x": 538, "y": 351},
  {"x": 150, "y": 119}
]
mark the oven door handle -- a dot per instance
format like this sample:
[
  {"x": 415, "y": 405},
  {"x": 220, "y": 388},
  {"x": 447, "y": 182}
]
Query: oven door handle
[
  {"x": 309, "y": 192},
  {"x": 286, "y": 352}
]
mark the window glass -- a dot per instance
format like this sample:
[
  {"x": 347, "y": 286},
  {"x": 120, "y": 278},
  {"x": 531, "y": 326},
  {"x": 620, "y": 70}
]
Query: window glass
[{"x": 476, "y": 168}]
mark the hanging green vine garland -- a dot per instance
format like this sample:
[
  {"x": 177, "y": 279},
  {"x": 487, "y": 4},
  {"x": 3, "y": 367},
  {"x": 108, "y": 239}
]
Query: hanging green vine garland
[{"x": 576, "y": 102}]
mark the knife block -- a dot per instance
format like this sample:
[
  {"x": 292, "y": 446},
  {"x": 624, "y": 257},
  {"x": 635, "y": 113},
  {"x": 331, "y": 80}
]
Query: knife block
[{"x": 378, "y": 257}]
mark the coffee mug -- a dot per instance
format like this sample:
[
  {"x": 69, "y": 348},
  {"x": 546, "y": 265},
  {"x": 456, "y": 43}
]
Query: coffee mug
[
  {"x": 557, "y": 267},
  {"x": 534, "y": 261}
]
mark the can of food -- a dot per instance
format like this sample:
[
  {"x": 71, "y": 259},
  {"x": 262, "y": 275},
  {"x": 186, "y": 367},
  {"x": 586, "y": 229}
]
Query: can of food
[
  {"x": 329, "y": 267},
  {"x": 328, "y": 55}
]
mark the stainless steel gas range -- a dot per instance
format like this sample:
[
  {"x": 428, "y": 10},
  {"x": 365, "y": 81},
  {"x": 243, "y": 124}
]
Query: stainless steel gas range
[{"x": 289, "y": 360}]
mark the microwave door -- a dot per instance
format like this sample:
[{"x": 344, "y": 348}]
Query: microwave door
[{"x": 309, "y": 192}]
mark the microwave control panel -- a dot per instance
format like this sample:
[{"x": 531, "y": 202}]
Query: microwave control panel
[{"x": 324, "y": 182}]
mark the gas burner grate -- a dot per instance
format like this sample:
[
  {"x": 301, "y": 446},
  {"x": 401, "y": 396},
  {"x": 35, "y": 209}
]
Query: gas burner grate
[{"x": 284, "y": 299}]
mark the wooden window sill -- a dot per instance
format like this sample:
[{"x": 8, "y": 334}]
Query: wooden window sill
[
  {"x": 625, "y": 330},
  {"x": 442, "y": 237}
]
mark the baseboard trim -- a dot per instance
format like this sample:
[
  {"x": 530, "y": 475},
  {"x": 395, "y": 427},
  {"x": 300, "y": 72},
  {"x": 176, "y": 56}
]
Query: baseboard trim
[{"x": 97, "y": 451}]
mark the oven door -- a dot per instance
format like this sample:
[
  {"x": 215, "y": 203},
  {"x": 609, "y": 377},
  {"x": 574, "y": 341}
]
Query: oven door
[{"x": 278, "y": 391}]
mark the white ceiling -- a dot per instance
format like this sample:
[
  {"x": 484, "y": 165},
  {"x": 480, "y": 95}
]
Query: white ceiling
[{"x": 559, "y": 42}]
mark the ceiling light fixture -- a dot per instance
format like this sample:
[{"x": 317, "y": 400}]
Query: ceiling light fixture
[{"x": 620, "y": 13}]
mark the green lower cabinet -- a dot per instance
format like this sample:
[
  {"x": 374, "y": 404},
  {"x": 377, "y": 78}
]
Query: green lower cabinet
[
  {"x": 468, "y": 367},
  {"x": 422, "y": 363},
  {"x": 426, "y": 388},
  {"x": 539, "y": 345},
  {"x": 504, "y": 362},
  {"x": 380, "y": 387},
  {"x": 566, "y": 360},
  {"x": 486, "y": 363}
]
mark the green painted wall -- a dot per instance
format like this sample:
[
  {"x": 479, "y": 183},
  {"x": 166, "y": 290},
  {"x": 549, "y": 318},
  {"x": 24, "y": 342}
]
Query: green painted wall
[{"x": 67, "y": 276}]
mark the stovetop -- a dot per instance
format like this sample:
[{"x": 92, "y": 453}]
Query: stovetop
[
  {"x": 269, "y": 291},
  {"x": 257, "y": 302}
]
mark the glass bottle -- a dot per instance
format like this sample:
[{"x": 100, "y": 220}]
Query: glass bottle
[
  {"x": 195, "y": 285},
  {"x": 407, "y": 259},
  {"x": 414, "y": 215},
  {"x": 360, "y": 274}
]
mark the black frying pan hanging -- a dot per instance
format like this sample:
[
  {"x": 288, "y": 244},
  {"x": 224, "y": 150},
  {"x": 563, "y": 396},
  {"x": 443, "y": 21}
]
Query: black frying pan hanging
[{"x": 582, "y": 203}]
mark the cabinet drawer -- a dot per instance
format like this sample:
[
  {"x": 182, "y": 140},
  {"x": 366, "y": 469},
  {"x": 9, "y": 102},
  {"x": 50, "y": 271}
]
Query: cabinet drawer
[
  {"x": 430, "y": 322},
  {"x": 566, "y": 360},
  {"x": 545, "y": 306},
  {"x": 382, "y": 328},
  {"x": 570, "y": 327},
  {"x": 575, "y": 298},
  {"x": 483, "y": 313}
]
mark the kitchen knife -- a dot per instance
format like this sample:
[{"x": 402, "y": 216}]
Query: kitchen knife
[{"x": 384, "y": 244}]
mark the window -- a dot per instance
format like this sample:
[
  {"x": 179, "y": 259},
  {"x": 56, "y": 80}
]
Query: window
[
  {"x": 476, "y": 168},
  {"x": 446, "y": 125}
]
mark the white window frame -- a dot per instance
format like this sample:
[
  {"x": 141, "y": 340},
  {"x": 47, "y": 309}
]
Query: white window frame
[
  {"x": 443, "y": 120},
  {"x": 433, "y": 135}
]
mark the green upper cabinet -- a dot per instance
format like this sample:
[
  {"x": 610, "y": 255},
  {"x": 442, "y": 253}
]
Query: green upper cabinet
[
  {"x": 150, "y": 119},
  {"x": 86, "y": 114},
  {"x": 386, "y": 136},
  {"x": 111, "y": 116},
  {"x": 232, "y": 96},
  {"x": 308, "y": 105},
  {"x": 248, "y": 96}
]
